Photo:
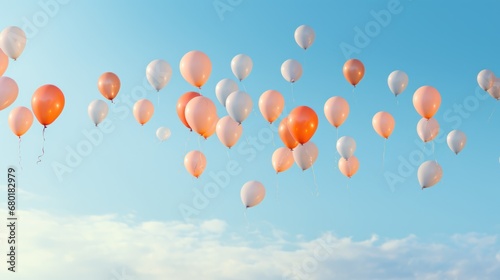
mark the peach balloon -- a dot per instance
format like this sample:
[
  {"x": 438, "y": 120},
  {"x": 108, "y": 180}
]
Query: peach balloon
[
  {"x": 349, "y": 167},
  {"x": 195, "y": 67},
  {"x": 143, "y": 111},
  {"x": 213, "y": 128},
  {"x": 302, "y": 123},
  {"x": 109, "y": 85},
  {"x": 195, "y": 163},
  {"x": 181, "y": 106},
  {"x": 353, "y": 70},
  {"x": 271, "y": 104},
  {"x": 383, "y": 123},
  {"x": 4, "y": 62},
  {"x": 336, "y": 110},
  {"x": 426, "y": 101},
  {"x": 282, "y": 159},
  {"x": 228, "y": 131},
  {"x": 8, "y": 92},
  {"x": 20, "y": 120},
  {"x": 285, "y": 135},
  {"x": 201, "y": 115},
  {"x": 47, "y": 104}
]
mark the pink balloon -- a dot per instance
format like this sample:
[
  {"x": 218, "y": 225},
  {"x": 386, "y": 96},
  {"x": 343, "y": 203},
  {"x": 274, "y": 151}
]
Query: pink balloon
[
  {"x": 271, "y": 104},
  {"x": 195, "y": 163},
  {"x": 228, "y": 131},
  {"x": 426, "y": 101},
  {"x": 427, "y": 129},
  {"x": 4, "y": 62},
  {"x": 8, "y": 92},
  {"x": 143, "y": 111},
  {"x": 349, "y": 167},
  {"x": 336, "y": 110},
  {"x": 282, "y": 159},
  {"x": 213, "y": 128},
  {"x": 201, "y": 115},
  {"x": 20, "y": 120},
  {"x": 305, "y": 155},
  {"x": 383, "y": 123},
  {"x": 195, "y": 67}
]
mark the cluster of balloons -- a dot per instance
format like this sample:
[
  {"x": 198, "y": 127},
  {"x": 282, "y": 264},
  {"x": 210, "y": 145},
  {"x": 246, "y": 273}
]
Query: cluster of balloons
[{"x": 488, "y": 82}]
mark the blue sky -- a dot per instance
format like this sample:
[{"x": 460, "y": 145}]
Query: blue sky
[{"x": 131, "y": 183}]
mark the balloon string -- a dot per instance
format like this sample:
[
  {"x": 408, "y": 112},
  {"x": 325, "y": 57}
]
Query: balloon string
[
  {"x": 158, "y": 99},
  {"x": 43, "y": 146},
  {"x": 433, "y": 151},
  {"x": 243, "y": 84},
  {"x": 272, "y": 135},
  {"x": 316, "y": 190},
  {"x": 19, "y": 152},
  {"x": 491, "y": 115},
  {"x": 293, "y": 95},
  {"x": 228, "y": 155},
  {"x": 383, "y": 154},
  {"x": 277, "y": 187},
  {"x": 246, "y": 218}
]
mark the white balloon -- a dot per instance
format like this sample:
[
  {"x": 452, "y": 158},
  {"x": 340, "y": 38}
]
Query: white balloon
[
  {"x": 242, "y": 66},
  {"x": 163, "y": 133},
  {"x": 397, "y": 81},
  {"x": 239, "y": 105},
  {"x": 305, "y": 155},
  {"x": 429, "y": 174},
  {"x": 494, "y": 90},
  {"x": 223, "y": 88},
  {"x": 427, "y": 129},
  {"x": 252, "y": 193},
  {"x": 346, "y": 146},
  {"x": 456, "y": 140},
  {"x": 97, "y": 110},
  {"x": 304, "y": 36},
  {"x": 485, "y": 79},
  {"x": 12, "y": 41},
  {"x": 291, "y": 70},
  {"x": 158, "y": 73}
]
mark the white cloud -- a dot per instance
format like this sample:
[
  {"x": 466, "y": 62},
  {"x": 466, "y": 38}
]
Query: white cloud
[{"x": 110, "y": 247}]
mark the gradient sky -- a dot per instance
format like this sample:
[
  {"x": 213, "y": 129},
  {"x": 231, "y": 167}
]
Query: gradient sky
[{"x": 130, "y": 180}]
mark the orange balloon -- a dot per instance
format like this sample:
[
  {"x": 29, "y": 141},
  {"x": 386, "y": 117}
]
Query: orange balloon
[
  {"x": 336, "y": 110},
  {"x": 271, "y": 104},
  {"x": 20, "y": 120},
  {"x": 285, "y": 135},
  {"x": 47, "y": 104},
  {"x": 201, "y": 115},
  {"x": 109, "y": 85},
  {"x": 383, "y": 123},
  {"x": 302, "y": 123},
  {"x": 212, "y": 129},
  {"x": 426, "y": 101},
  {"x": 143, "y": 111},
  {"x": 349, "y": 167},
  {"x": 195, "y": 68},
  {"x": 181, "y": 106},
  {"x": 4, "y": 62},
  {"x": 195, "y": 163},
  {"x": 282, "y": 159},
  {"x": 354, "y": 70}
]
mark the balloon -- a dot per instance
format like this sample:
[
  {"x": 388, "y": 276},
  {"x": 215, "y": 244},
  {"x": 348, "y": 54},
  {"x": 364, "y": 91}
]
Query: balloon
[
  {"x": 383, "y": 123},
  {"x": 195, "y": 67},
  {"x": 158, "y": 73},
  {"x": 456, "y": 140},
  {"x": 485, "y": 79},
  {"x": 426, "y": 101},
  {"x": 346, "y": 146},
  {"x": 228, "y": 131},
  {"x": 242, "y": 66},
  {"x": 349, "y": 167},
  {"x": 239, "y": 105},
  {"x": 163, "y": 133},
  {"x": 47, "y": 104},
  {"x": 494, "y": 91},
  {"x": 305, "y": 155},
  {"x": 291, "y": 70},
  {"x": 271, "y": 104},
  {"x": 429, "y": 174},
  {"x": 336, "y": 110},
  {"x": 353, "y": 70},
  {"x": 195, "y": 163},
  {"x": 427, "y": 129},
  {"x": 397, "y": 81},
  {"x": 109, "y": 85},
  {"x": 282, "y": 159},
  {"x": 223, "y": 88},
  {"x": 201, "y": 115},
  {"x": 213, "y": 128},
  {"x": 4, "y": 62},
  {"x": 252, "y": 193},
  {"x": 302, "y": 123},
  {"x": 8, "y": 92},
  {"x": 304, "y": 36},
  {"x": 285, "y": 135},
  {"x": 20, "y": 120},
  {"x": 181, "y": 106},
  {"x": 143, "y": 111},
  {"x": 12, "y": 41},
  {"x": 97, "y": 110}
]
